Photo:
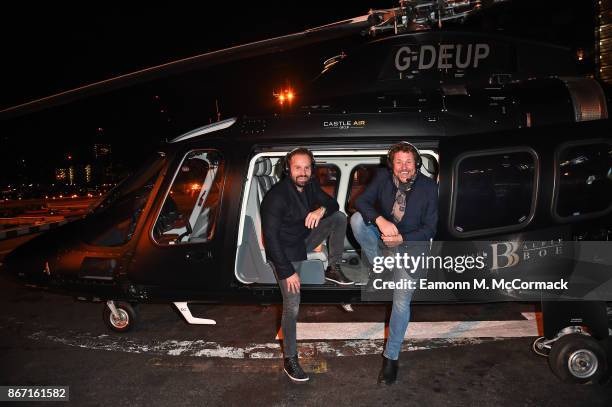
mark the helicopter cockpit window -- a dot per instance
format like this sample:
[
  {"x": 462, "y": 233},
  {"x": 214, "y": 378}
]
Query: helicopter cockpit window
[
  {"x": 191, "y": 207},
  {"x": 503, "y": 184},
  {"x": 585, "y": 179},
  {"x": 113, "y": 221}
]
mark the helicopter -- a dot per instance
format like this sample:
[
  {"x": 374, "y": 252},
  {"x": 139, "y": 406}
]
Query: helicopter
[{"x": 517, "y": 141}]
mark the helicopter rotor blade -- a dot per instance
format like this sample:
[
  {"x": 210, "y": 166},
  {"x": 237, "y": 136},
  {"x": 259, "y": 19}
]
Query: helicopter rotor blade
[{"x": 288, "y": 42}]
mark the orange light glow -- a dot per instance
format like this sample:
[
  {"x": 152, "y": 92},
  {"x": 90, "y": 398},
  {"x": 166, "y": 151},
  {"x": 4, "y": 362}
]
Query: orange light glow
[
  {"x": 195, "y": 187},
  {"x": 284, "y": 96}
]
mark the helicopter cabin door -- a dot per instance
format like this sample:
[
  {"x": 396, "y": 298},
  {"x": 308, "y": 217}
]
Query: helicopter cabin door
[{"x": 182, "y": 247}]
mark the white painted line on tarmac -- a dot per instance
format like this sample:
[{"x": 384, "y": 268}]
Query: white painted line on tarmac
[
  {"x": 418, "y": 330},
  {"x": 529, "y": 315},
  {"x": 207, "y": 349}
]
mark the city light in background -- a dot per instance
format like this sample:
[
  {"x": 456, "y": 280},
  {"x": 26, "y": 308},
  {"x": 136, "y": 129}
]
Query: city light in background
[{"x": 136, "y": 121}]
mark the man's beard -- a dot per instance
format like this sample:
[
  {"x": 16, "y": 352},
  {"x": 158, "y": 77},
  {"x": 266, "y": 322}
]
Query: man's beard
[{"x": 300, "y": 181}]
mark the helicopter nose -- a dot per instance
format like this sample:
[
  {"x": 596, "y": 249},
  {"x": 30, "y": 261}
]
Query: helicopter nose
[
  {"x": 22, "y": 265},
  {"x": 8, "y": 269}
]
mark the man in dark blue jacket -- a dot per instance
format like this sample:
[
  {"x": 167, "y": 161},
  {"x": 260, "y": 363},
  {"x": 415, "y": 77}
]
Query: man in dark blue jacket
[
  {"x": 296, "y": 217},
  {"x": 398, "y": 208}
]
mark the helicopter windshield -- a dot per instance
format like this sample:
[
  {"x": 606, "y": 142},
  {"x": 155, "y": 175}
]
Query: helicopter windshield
[
  {"x": 132, "y": 183},
  {"x": 113, "y": 220}
]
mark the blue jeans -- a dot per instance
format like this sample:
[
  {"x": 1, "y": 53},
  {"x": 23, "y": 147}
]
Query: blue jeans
[
  {"x": 400, "y": 316},
  {"x": 368, "y": 237}
]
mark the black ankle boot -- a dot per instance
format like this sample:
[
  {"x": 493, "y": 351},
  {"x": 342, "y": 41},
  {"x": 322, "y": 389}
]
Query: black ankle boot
[
  {"x": 388, "y": 373},
  {"x": 294, "y": 370}
]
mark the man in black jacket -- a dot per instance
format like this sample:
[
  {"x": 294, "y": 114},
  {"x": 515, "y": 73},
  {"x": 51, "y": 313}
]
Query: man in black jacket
[
  {"x": 398, "y": 208},
  {"x": 296, "y": 217}
]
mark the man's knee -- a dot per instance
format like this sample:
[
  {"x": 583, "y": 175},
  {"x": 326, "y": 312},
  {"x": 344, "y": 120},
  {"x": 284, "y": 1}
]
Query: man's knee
[
  {"x": 357, "y": 222},
  {"x": 337, "y": 217}
]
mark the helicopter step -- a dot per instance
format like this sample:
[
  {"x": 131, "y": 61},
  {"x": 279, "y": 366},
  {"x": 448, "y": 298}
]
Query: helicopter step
[{"x": 183, "y": 308}]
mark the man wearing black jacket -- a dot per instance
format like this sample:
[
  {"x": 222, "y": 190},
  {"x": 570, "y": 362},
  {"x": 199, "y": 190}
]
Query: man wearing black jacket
[
  {"x": 296, "y": 217},
  {"x": 398, "y": 208}
]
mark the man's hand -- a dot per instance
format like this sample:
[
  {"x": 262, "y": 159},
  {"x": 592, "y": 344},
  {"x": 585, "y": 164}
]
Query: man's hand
[
  {"x": 386, "y": 228},
  {"x": 313, "y": 218},
  {"x": 392, "y": 241},
  {"x": 293, "y": 283}
]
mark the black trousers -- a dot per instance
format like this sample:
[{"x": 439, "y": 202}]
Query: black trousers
[{"x": 334, "y": 228}]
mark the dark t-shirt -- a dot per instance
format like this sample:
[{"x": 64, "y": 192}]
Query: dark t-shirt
[{"x": 304, "y": 199}]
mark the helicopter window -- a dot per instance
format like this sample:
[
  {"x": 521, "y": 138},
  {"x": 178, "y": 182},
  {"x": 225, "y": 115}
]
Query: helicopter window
[
  {"x": 328, "y": 176},
  {"x": 191, "y": 207},
  {"x": 360, "y": 178},
  {"x": 585, "y": 179},
  {"x": 113, "y": 222},
  {"x": 501, "y": 182}
]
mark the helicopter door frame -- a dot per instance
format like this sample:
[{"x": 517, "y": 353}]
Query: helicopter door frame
[
  {"x": 211, "y": 175},
  {"x": 343, "y": 183},
  {"x": 194, "y": 264}
]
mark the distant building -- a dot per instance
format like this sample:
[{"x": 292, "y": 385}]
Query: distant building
[
  {"x": 71, "y": 175},
  {"x": 603, "y": 40},
  {"x": 102, "y": 169},
  {"x": 61, "y": 174},
  {"x": 102, "y": 150},
  {"x": 88, "y": 173},
  {"x": 74, "y": 175}
]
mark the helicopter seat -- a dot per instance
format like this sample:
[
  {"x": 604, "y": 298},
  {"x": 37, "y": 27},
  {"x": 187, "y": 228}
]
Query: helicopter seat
[
  {"x": 430, "y": 166},
  {"x": 264, "y": 181}
]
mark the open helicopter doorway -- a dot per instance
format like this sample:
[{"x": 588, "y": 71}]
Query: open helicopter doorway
[{"x": 344, "y": 175}]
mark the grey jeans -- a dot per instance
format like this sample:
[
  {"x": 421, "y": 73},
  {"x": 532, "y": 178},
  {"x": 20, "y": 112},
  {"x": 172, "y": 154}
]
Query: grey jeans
[{"x": 334, "y": 227}]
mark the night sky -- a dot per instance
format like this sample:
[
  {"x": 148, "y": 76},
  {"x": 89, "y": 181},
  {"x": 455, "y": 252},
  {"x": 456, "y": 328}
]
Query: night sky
[{"x": 47, "y": 49}]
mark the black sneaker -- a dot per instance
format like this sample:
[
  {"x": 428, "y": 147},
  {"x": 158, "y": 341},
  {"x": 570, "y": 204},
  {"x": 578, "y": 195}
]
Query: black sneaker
[
  {"x": 334, "y": 273},
  {"x": 294, "y": 370}
]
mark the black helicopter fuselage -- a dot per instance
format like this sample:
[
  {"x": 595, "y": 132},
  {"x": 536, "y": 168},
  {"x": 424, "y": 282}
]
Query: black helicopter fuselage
[
  {"x": 82, "y": 258},
  {"x": 456, "y": 95}
]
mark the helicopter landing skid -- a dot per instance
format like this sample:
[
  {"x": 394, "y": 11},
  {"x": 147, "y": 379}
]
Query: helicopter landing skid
[{"x": 183, "y": 308}]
